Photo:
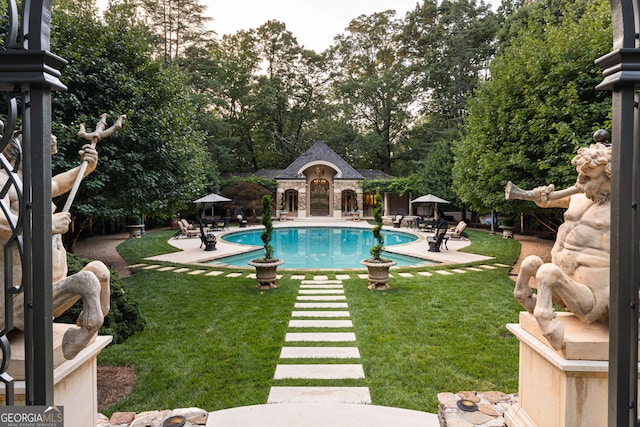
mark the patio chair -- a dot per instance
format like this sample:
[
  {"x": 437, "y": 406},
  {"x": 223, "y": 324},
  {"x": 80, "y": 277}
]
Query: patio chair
[
  {"x": 242, "y": 221},
  {"x": 397, "y": 219},
  {"x": 437, "y": 240},
  {"x": 457, "y": 232},
  {"x": 186, "y": 230},
  {"x": 207, "y": 239}
]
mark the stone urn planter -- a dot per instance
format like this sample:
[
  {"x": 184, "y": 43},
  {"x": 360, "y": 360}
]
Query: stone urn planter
[
  {"x": 266, "y": 272},
  {"x": 135, "y": 230},
  {"x": 378, "y": 273},
  {"x": 266, "y": 266}
]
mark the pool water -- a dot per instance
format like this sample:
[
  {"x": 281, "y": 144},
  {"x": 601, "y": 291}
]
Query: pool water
[{"x": 319, "y": 247}]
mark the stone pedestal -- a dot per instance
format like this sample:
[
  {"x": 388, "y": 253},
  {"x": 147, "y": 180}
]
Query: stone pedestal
[
  {"x": 566, "y": 388},
  {"x": 75, "y": 381}
]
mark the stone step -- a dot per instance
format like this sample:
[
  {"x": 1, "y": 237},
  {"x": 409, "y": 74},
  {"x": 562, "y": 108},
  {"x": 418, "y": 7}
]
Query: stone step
[
  {"x": 320, "y": 336},
  {"x": 321, "y": 282},
  {"x": 321, "y": 305},
  {"x": 320, "y": 324},
  {"x": 321, "y": 298},
  {"x": 320, "y": 353},
  {"x": 319, "y": 371},
  {"x": 355, "y": 395},
  {"x": 320, "y": 314},
  {"x": 321, "y": 291},
  {"x": 321, "y": 287}
]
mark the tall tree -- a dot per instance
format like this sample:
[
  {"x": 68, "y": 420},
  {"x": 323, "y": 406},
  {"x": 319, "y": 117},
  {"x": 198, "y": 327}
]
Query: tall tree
[
  {"x": 374, "y": 83},
  {"x": 157, "y": 164},
  {"x": 540, "y": 105},
  {"x": 176, "y": 24}
]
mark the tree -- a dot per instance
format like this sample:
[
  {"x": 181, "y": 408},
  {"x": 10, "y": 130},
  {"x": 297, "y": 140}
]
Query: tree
[
  {"x": 540, "y": 105},
  {"x": 374, "y": 84},
  {"x": 176, "y": 24},
  {"x": 158, "y": 163}
]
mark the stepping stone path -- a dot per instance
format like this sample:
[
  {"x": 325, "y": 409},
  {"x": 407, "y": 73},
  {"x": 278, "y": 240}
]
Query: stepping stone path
[
  {"x": 328, "y": 292},
  {"x": 315, "y": 311}
]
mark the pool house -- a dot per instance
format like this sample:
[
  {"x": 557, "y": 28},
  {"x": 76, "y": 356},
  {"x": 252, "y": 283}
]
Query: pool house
[{"x": 321, "y": 184}]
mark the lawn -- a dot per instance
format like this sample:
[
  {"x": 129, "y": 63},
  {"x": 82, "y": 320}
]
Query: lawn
[{"x": 214, "y": 342}]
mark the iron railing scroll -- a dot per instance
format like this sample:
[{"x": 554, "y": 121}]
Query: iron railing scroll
[
  {"x": 622, "y": 77},
  {"x": 28, "y": 75}
]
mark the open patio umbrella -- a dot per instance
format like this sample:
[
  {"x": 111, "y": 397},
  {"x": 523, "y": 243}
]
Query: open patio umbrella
[
  {"x": 430, "y": 198},
  {"x": 211, "y": 199}
]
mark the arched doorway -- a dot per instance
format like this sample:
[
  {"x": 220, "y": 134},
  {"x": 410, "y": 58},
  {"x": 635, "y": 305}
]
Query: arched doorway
[{"x": 319, "y": 197}]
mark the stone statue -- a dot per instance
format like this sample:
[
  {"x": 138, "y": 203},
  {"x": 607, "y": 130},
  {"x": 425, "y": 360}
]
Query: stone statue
[
  {"x": 92, "y": 283},
  {"x": 578, "y": 276}
]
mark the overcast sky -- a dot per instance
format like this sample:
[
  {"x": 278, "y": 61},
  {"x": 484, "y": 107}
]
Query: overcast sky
[{"x": 313, "y": 22}]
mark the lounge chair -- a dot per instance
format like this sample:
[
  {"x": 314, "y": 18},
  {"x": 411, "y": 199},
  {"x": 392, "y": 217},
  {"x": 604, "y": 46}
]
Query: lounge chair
[
  {"x": 208, "y": 239},
  {"x": 457, "y": 232},
  {"x": 437, "y": 240},
  {"x": 397, "y": 219},
  {"x": 186, "y": 230}
]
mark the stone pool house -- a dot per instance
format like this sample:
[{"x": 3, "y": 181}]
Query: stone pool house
[{"x": 320, "y": 183}]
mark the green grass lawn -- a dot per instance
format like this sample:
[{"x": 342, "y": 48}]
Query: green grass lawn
[{"x": 214, "y": 342}]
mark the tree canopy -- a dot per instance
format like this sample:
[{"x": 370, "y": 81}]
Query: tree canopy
[{"x": 526, "y": 122}]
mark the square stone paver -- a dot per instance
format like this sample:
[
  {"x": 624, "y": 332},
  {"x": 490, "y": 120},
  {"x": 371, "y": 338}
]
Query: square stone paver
[
  {"x": 501, "y": 265},
  {"x": 167, "y": 268},
  {"x": 320, "y": 371},
  {"x": 363, "y": 276},
  {"x": 234, "y": 275},
  {"x": 196, "y": 272},
  {"x": 488, "y": 267},
  {"x": 320, "y": 277},
  {"x": 458, "y": 270},
  {"x": 181, "y": 270},
  {"x": 474, "y": 269},
  {"x": 151, "y": 267},
  {"x": 214, "y": 273},
  {"x": 444, "y": 272},
  {"x": 320, "y": 337},
  {"x": 137, "y": 265},
  {"x": 343, "y": 276},
  {"x": 297, "y": 277},
  {"x": 425, "y": 273},
  {"x": 405, "y": 274}
]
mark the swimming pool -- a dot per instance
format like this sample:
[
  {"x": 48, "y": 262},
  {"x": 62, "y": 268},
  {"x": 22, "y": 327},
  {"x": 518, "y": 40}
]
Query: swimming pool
[{"x": 319, "y": 247}]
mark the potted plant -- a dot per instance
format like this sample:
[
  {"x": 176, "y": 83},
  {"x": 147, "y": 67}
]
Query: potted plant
[
  {"x": 266, "y": 266},
  {"x": 377, "y": 266}
]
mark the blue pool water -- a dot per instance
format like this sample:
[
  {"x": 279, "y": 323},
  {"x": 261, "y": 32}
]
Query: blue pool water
[{"x": 319, "y": 247}]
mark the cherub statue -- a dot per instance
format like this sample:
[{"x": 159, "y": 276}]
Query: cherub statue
[
  {"x": 92, "y": 283},
  {"x": 577, "y": 278}
]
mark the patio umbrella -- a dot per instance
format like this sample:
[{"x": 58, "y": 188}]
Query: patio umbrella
[
  {"x": 212, "y": 199},
  {"x": 430, "y": 198}
]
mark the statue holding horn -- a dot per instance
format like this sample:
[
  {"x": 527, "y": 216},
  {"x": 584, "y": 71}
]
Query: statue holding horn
[{"x": 577, "y": 278}]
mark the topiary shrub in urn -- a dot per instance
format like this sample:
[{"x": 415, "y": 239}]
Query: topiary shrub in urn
[
  {"x": 377, "y": 266},
  {"x": 266, "y": 267}
]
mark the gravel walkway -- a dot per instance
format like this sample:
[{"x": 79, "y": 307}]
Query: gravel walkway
[{"x": 103, "y": 248}]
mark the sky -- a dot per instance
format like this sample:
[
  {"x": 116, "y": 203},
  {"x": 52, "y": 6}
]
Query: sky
[{"x": 313, "y": 22}]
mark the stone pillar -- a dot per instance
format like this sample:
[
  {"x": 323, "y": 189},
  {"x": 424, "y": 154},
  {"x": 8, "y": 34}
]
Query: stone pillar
[{"x": 566, "y": 388}]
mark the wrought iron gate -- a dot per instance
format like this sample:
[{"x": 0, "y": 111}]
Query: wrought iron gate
[{"x": 28, "y": 75}]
